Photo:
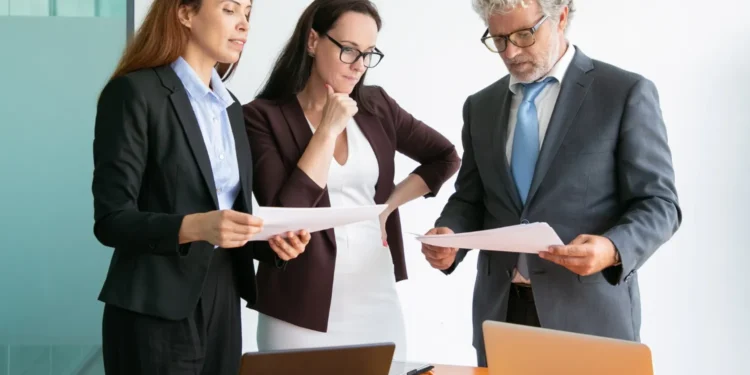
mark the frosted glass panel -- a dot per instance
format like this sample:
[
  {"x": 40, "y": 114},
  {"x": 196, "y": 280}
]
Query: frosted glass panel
[
  {"x": 64, "y": 8},
  {"x": 111, "y": 8},
  {"x": 29, "y": 7},
  {"x": 74, "y": 8},
  {"x": 51, "y": 266}
]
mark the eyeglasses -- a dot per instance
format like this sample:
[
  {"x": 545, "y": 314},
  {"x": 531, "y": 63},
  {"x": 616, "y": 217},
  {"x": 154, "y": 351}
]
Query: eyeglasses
[
  {"x": 350, "y": 55},
  {"x": 521, "y": 38}
]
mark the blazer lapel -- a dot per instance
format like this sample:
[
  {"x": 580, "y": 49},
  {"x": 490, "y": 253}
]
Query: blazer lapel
[
  {"x": 378, "y": 140},
  {"x": 498, "y": 115},
  {"x": 298, "y": 125},
  {"x": 244, "y": 157},
  {"x": 301, "y": 132},
  {"x": 572, "y": 92},
  {"x": 192, "y": 130},
  {"x": 184, "y": 110}
]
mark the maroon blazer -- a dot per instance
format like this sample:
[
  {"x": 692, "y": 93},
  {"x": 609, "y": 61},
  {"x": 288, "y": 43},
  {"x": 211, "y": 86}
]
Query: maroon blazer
[{"x": 300, "y": 293}]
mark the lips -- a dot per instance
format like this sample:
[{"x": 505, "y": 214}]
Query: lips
[{"x": 239, "y": 42}]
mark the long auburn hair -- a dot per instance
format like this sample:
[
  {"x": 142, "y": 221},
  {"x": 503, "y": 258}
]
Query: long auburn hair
[
  {"x": 294, "y": 65},
  {"x": 161, "y": 39}
]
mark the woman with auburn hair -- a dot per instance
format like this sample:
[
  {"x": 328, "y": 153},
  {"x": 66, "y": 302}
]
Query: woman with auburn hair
[
  {"x": 320, "y": 138},
  {"x": 172, "y": 192}
]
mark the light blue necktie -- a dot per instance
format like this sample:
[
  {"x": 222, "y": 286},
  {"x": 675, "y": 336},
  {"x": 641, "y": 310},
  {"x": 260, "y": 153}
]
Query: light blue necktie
[{"x": 526, "y": 149}]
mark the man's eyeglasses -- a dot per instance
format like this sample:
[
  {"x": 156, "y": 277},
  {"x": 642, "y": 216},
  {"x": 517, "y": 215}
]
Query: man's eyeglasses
[
  {"x": 350, "y": 55},
  {"x": 521, "y": 38}
]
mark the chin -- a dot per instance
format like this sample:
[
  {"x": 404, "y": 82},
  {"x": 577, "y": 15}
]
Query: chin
[
  {"x": 345, "y": 88},
  {"x": 229, "y": 57},
  {"x": 526, "y": 76}
]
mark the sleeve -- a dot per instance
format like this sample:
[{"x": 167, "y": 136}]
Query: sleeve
[
  {"x": 273, "y": 184},
  {"x": 436, "y": 155},
  {"x": 465, "y": 209},
  {"x": 647, "y": 184},
  {"x": 120, "y": 157}
]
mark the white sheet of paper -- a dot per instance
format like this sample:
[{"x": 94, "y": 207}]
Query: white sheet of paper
[
  {"x": 280, "y": 220},
  {"x": 522, "y": 238}
]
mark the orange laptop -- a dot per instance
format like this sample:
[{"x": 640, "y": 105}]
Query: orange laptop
[{"x": 517, "y": 349}]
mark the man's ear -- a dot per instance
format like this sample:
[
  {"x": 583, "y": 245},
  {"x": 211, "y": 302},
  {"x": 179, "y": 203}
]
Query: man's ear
[
  {"x": 185, "y": 15},
  {"x": 563, "y": 21}
]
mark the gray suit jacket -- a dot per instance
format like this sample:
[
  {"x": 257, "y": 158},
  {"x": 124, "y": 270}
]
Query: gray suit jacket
[{"x": 605, "y": 168}]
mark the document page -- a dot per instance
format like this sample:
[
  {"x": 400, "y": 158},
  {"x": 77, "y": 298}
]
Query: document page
[
  {"x": 522, "y": 238},
  {"x": 280, "y": 220}
]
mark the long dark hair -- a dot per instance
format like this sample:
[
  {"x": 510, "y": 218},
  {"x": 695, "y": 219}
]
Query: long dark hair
[
  {"x": 294, "y": 65},
  {"x": 161, "y": 39}
]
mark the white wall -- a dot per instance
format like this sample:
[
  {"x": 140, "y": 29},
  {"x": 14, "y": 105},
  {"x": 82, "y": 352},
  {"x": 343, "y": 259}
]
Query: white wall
[{"x": 695, "y": 307}]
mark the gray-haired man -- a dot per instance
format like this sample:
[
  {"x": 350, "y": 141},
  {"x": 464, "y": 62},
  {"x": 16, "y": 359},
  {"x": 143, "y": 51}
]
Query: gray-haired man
[{"x": 571, "y": 141}]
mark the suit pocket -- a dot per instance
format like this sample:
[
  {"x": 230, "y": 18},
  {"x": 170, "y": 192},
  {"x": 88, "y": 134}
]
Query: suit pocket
[{"x": 592, "y": 279}]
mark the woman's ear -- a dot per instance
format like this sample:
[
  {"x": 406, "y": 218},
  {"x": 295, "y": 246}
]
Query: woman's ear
[
  {"x": 312, "y": 42},
  {"x": 185, "y": 15}
]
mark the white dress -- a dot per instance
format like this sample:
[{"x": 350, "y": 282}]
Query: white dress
[{"x": 365, "y": 306}]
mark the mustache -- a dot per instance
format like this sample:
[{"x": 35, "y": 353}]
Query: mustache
[{"x": 519, "y": 60}]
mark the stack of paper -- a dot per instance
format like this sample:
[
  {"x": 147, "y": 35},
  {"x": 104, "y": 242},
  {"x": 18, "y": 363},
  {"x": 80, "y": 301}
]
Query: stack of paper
[
  {"x": 522, "y": 238},
  {"x": 281, "y": 220}
]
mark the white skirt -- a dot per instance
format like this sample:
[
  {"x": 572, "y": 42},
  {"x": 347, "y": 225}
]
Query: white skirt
[{"x": 365, "y": 306}]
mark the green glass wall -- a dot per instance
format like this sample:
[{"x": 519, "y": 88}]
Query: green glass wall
[{"x": 56, "y": 56}]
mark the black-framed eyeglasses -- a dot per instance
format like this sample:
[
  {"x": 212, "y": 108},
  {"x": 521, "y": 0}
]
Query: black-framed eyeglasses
[
  {"x": 520, "y": 38},
  {"x": 350, "y": 55}
]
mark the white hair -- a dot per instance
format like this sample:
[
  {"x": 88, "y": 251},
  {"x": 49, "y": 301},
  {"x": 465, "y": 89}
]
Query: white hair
[{"x": 550, "y": 8}]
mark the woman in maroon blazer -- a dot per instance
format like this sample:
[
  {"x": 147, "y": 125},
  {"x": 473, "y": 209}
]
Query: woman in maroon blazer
[{"x": 320, "y": 138}]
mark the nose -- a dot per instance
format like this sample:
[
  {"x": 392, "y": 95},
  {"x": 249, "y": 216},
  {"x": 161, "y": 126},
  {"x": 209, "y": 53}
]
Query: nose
[
  {"x": 359, "y": 65},
  {"x": 244, "y": 24},
  {"x": 511, "y": 51}
]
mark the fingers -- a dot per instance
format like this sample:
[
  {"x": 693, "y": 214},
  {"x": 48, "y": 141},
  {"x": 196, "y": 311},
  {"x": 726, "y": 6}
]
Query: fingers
[
  {"x": 246, "y": 231},
  {"x": 330, "y": 90},
  {"x": 438, "y": 252},
  {"x": 287, "y": 249},
  {"x": 304, "y": 236},
  {"x": 440, "y": 258},
  {"x": 565, "y": 261},
  {"x": 230, "y": 240},
  {"x": 432, "y": 232},
  {"x": 583, "y": 266},
  {"x": 569, "y": 251},
  {"x": 581, "y": 239},
  {"x": 295, "y": 242},
  {"x": 240, "y": 218},
  {"x": 439, "y": 230},
  {"x": 279, "y": 246}
]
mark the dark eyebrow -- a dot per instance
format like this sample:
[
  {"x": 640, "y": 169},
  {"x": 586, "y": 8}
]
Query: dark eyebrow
[{"x": 355, "y": 44}]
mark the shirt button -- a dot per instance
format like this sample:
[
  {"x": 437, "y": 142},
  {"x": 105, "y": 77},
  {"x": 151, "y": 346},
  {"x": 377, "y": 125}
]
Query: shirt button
[
  {"x": 218, "y": 190},
  {"x": 221, "y": 156}
]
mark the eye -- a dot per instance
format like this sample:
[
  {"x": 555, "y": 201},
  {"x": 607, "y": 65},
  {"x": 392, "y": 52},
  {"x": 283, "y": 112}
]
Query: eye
[{"x": 228, "y": 11}]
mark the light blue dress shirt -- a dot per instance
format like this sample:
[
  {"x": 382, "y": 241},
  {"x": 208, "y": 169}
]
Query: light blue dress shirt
[{"x": 210, "y": 109}]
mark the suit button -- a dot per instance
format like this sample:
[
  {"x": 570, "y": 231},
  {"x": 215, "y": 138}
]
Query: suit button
[{"x": 524, "y": 221}]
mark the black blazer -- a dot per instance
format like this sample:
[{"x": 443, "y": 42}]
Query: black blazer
[{"x": 151, "y": 168}]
